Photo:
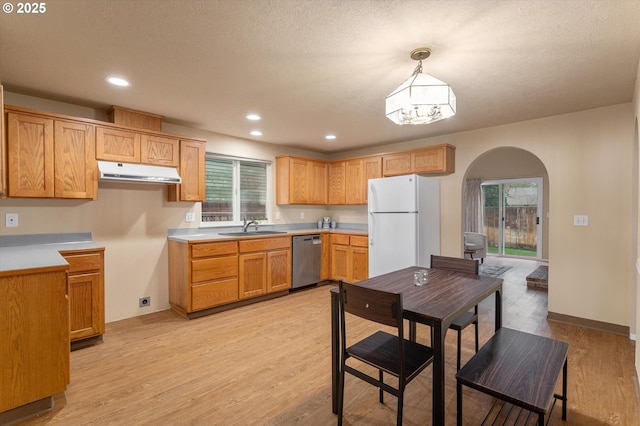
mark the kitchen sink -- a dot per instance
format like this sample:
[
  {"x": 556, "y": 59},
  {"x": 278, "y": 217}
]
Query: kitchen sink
[{"x": 250, "y": 233}]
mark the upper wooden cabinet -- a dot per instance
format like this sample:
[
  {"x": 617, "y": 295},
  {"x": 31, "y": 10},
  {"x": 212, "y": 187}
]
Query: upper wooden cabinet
[
  {"x": 348, "y": 179},
  {"x": 52, "y": 155},
  {"x": 192, "y": 172},
  {"x": 50, "y": 158},
  {"x": 117, "y": 145},
  {"x": 300, "y": 181},
  {"x": 129, "y": 146},
  {"x": 75, "y": 160},
  {"x": 437, "y": 159},
  {"x": 3, "y": 147}
]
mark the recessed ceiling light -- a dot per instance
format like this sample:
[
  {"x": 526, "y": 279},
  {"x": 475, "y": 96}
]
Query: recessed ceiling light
[
  {"x": 253, "y": 117},
  {"x": 117, "y": 81},
  {"x": 256, "y": 133},
  {"x": 330, "y": 137}
]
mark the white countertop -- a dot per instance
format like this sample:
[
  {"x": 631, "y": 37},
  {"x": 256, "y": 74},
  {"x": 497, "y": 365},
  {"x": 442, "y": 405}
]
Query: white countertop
[
  {"x": 35, "y": 255},
  {"x": 214, "y": 235}
]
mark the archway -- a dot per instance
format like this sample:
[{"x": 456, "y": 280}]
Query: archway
[{"x": 509, "y": 163}]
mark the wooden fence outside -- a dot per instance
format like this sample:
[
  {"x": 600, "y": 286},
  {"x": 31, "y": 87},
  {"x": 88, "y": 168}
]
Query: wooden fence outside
[{"x": 520, "y": 227}]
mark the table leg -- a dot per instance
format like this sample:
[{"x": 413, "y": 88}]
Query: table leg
[
  {"x": 564, "y": 390},
  {"x": 335, "y": 350},
  {"x": 498, "y": 309},
  {"x": 438, "y": 413}
]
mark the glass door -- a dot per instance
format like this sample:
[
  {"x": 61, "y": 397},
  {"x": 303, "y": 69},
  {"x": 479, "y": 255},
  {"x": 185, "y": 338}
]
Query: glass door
[{"x": 512, "y": 214}]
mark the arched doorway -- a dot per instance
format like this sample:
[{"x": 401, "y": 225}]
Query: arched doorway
[{"x": 515, "y": 166}]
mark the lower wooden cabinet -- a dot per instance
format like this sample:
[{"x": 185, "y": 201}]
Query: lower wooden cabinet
[
  {"x": 85, "y": 278},
  {"x": 265, "y": 266},
  {"x": 349, "y": 257},
  {"x": 34, "y": 336}
]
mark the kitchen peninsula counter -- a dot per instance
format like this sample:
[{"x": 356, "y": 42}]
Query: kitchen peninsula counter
[{"x": 24, "y": 253}]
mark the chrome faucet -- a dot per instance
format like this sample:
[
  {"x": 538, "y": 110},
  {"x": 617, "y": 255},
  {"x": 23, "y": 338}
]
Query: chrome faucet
[{"x": 246, "y": 225}]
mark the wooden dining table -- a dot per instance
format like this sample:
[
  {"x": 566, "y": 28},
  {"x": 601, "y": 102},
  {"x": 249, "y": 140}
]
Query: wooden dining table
[{"x": 447, "y": 295}]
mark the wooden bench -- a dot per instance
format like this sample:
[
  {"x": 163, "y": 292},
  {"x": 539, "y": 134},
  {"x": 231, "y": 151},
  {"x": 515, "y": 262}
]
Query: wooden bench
[{"x": 520, "y": 369}]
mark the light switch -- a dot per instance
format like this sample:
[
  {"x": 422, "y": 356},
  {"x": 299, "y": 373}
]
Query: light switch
[
  {"x": 580, "y": 220},
  {"x": 301, "y": 215}
]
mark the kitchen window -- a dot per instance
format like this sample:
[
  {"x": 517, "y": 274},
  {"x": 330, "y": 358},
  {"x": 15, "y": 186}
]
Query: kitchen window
[{"x": 236, "y": 189}]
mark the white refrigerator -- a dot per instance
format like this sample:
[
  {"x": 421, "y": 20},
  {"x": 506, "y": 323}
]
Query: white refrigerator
[{"x": 404, "y": 222}]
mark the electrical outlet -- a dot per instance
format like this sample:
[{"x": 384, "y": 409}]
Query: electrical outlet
[
  {"x": 145, "y": 301},
  {"x": 301, "y": 215},
  {"x": 190, "y": 217},
  {"x": 11, "y": 220}
]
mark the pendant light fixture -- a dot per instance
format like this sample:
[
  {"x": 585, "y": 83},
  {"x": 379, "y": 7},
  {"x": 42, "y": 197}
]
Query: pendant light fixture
[{"x": 422, "y": 99}]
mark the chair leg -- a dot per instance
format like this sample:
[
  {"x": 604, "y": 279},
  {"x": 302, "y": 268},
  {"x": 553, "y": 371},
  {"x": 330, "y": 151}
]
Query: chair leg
[
  {"x": 476, "y": 325},
  {"x": 400, "y": 405},
  {"x": 340, "y": 394},
  {"x": 459, "y": 350},
  {"x": 381, "y": 391}
]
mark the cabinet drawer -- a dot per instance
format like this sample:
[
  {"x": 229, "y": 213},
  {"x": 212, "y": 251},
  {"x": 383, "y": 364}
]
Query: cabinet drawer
[
  {"x": 359, "y": 241},
  {"x": 84, "y": 262},
  {"x": 210, "y": 294},
  {"x": 214, "y": 249},
  {"x": 265, "y": 244},
  {"x": 214, "y": 268},
  {"x": 340, "y": 239}
]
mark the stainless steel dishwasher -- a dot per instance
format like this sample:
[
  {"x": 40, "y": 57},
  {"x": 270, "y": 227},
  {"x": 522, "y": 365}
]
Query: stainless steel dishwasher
[{"x": 307, "y": 259}]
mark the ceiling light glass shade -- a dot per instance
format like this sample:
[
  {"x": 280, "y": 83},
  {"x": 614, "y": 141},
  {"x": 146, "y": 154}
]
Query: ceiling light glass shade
[{"x": 422, "y": 99}]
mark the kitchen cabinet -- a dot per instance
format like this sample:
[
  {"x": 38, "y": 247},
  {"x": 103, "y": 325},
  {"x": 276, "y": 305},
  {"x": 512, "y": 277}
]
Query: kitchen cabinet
[
  {"x": 192, "y": 172},
  {"x": 349, "y": 257},
  {"x": 131, "y": 146},
  {"x": 348, "y": 179},
  {"x": 202, "y": 275},
  {"x": 264, "y": 266},
  {"x": 337, "y": 182},
  {"x": 49, "y": 157},
  {"x": 300, "y": 181},
  {"x": 86, "y": 293},
  {"x": 437, "y": 159},
  {"x": 75, "y": 165},
  {"x": 34, "y": 335}
]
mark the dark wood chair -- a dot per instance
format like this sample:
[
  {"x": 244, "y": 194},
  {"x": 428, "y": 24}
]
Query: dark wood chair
[
  {"x": 388, "y": 353},
  {"x": 470, "y": 266}
]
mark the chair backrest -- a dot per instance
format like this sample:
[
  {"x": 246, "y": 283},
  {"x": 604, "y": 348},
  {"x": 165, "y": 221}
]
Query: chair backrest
[
  {"x": 374, "y": 305},
  {"x": 455, "y": 264}
]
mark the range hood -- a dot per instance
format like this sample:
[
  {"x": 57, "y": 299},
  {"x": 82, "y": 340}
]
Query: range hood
[{"x": 128, "y": 172}]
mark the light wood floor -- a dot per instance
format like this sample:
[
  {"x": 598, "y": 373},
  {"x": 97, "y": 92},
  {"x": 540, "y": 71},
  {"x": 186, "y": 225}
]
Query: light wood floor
[{"x": 269, "y": 364}]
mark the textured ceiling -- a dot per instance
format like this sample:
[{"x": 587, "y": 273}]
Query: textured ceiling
[{"x": 312, "y": 67}]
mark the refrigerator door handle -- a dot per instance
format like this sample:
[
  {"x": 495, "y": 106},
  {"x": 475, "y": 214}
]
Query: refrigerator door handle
[{"x": 371, "y": 228}]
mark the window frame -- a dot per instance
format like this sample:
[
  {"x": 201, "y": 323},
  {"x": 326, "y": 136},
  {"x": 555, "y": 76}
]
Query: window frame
[{"x": 236, "y": 202}]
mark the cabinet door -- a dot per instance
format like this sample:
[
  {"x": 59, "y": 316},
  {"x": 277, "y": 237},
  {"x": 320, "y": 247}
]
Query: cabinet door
[
  {"x": 30, "y": 156},
  {"x": 192, "y": 172},
  {"x": 318, "y": 183},
  {"x": 278, "y": 270},
  {"x": 372, "y": 170},
  {"x": 438, "y": 159},
  {"x": 117, "y": 145},
  {"x": 325, "y": 268},
  {"x": 159, "y": 151},
  {"x": 359, "y": 263},
  {"x": 86, "y": 301},
  {"x": 252, "y": 275},
  {"x": 75, "y": 160},
  {"x": 35, "y": 337},
  {"x": 397, "y": 164},
  {"x": 355, "y": 182},
  {"x": 299, "y": 181},
  {"x": 340, "y": 262},
  {"x": 337, "y": 182}
]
